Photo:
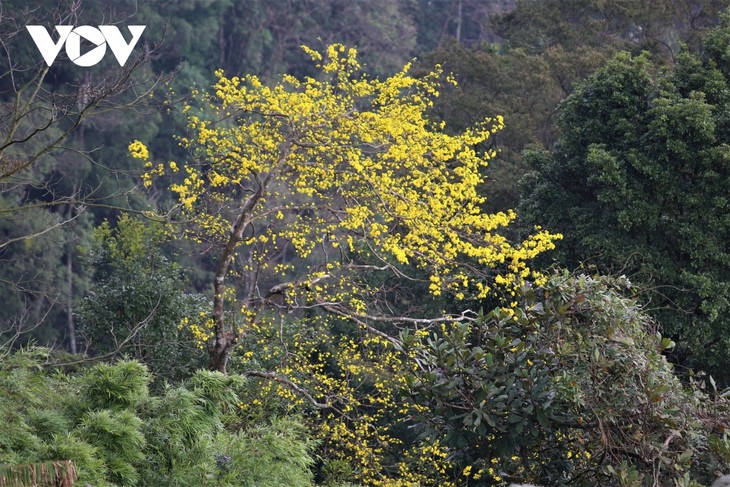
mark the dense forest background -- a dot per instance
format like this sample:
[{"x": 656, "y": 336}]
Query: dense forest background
[{"x": 607, "y": 371}]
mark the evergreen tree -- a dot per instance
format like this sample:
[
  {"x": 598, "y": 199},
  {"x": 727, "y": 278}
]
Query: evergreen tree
[{"x": 637, "y": 181}]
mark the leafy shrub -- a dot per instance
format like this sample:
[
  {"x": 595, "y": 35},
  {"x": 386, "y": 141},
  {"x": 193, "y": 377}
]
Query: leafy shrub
[
  {"x": 570, "y": 387},
  {"x": 115, "y": 433}
]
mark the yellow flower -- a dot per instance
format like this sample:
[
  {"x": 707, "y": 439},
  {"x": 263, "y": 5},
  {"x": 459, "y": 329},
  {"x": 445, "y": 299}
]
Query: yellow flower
[{"x": 138, "y": 150}]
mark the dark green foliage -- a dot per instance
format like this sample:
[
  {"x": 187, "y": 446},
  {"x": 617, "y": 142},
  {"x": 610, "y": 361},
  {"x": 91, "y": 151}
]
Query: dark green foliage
[
  {"x": 545, "y": 48},
  {"x": 263, "y": 36},
  {"x": 622, "y": 400},
  {"x": 571, "y": 390},
  {"x": 139, "y": 301},
  {"x": 637, "y": 184},
  {"x": 660, "y": 26},
  {"x": 489, "y": 379}
]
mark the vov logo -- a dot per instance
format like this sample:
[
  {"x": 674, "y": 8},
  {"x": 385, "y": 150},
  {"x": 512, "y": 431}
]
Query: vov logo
[{"x": 71, "y": 36}]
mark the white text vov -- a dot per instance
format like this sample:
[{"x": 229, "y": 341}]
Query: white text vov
[{"x": 71, "y": 36}]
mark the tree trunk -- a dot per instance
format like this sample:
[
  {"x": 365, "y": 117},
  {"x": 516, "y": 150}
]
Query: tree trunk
[
  {"x": 70, "y": 326},
  {"x": 220, "y": 352},
  {"x": 225, "y": 336}
]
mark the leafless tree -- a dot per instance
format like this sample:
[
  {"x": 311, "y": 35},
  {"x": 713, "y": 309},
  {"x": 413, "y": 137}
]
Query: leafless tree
[{"x": 44, "y": 112}]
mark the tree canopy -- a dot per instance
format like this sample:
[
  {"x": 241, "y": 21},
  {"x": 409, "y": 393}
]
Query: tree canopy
[{"x": 637, "y": 180}]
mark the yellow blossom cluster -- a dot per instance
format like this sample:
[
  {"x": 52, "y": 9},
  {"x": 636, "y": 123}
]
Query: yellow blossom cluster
[
  {"x": 353, "y": 164},
  {"x": 360, "y": 429}
]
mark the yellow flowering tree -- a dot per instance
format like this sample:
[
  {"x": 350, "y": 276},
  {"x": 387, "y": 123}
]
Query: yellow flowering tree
[
  {"x": 336, "y": 200},
  {"x": 305, "y": 187}
]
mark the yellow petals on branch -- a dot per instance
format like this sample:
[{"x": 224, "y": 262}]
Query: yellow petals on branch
[{"x": 138, "y": 150}]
